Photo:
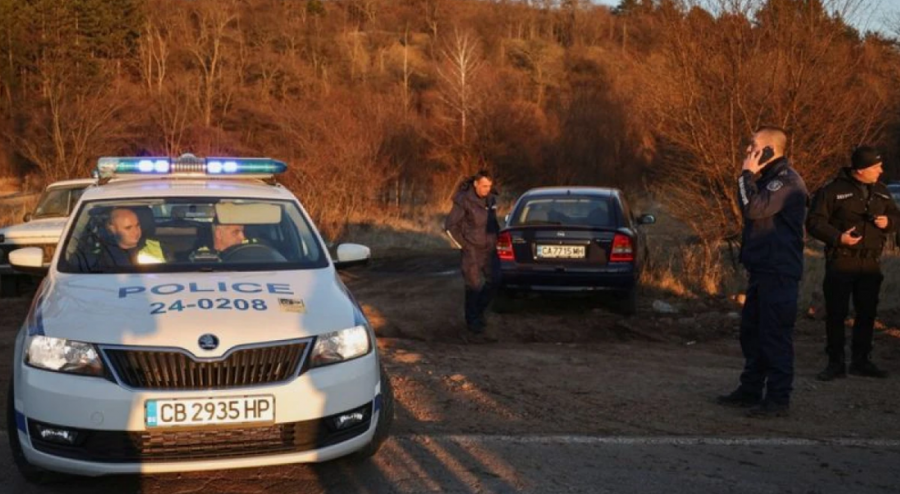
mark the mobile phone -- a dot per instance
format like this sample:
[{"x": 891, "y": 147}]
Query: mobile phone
[
  {"x": 855, "y": 234},
  {"x": 766, "y": 155}
]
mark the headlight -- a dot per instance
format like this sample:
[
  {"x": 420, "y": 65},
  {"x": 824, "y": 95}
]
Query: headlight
[
  {"x": 340, "y": 345},
  {"x": 61, "y": 355}
]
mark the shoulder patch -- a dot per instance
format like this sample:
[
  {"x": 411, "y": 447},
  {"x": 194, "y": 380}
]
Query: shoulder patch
[
  {"x": 775, "y": 185},
  {"x": 841, "y": 197}
]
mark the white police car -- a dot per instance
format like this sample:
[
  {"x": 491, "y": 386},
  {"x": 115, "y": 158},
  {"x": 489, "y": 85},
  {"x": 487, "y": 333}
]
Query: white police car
[{"x": 217, "y": 336}]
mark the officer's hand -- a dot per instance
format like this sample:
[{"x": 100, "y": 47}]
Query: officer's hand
[
  {"x": 751, "y": 162},
  {"x": 848, "y": 239},
  {"x": 881, "y": 222}
]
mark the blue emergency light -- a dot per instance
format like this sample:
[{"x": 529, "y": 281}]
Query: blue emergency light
[{"x": 188, "y": 164}]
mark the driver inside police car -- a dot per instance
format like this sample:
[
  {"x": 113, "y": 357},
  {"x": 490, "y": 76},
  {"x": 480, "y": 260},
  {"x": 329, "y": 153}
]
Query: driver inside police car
[
  {"x": 129, "y": 247},
  {"x": 224, "y": 236}
]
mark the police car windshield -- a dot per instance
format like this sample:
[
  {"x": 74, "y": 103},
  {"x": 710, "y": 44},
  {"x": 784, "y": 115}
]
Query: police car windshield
[{"x": 190, "y": 235}]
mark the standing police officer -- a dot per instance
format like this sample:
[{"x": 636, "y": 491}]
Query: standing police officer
[
  {"x": 853, "y": 215},
  {"x": 773, "y": 200},
  {"x": 472, "y": 224}
]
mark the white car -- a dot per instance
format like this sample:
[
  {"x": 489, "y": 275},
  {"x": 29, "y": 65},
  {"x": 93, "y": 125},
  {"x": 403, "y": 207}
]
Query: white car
[
  {"x": 209, "y": 357},
  {"x": 42, "y": 227}
]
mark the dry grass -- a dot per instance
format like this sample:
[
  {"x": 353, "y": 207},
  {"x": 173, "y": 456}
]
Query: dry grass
[
  {"x": 691, "y": 271},
  {"x": 419, "y": 229},
  {"x": 8, "y": 185}
]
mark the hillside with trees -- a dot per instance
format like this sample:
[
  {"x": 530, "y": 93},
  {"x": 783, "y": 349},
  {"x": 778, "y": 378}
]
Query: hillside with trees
[{"x": 381, "y": 106}]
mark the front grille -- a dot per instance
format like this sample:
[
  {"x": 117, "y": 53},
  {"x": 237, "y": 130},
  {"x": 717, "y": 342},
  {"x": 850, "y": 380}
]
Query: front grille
[
  {"x": 201, "y": 444},
  {"x": 166, "y": 369}
]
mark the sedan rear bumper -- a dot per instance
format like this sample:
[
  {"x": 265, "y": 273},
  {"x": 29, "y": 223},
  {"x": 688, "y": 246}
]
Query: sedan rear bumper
[{"x": 613, "y": 277}]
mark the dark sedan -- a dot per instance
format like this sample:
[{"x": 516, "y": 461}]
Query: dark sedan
[{"x": 573, "y": 239}]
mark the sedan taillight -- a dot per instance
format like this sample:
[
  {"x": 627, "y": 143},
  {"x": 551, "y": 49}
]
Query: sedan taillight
[
  {"x": 505, "y": 248},
  {"x": 622, "y": 249}
]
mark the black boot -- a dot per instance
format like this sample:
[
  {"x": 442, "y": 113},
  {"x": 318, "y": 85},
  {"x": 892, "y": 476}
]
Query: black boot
[
  {"x": 835, "y": 369},
  {"x": 739, "y": 399},
  {"x": 866, "y": 368},
  {"x": 473, "y": 314}
]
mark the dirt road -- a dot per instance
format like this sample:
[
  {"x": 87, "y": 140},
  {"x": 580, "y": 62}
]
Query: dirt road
[{"x": 575, "y": 369}]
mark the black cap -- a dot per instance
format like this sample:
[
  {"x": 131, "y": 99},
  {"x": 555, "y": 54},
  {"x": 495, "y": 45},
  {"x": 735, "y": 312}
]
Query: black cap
[{"x": 864, "y": 157}]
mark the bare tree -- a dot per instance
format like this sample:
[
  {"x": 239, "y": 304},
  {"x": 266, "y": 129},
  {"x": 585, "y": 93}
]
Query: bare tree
[
  {"x": 210, "y": 34},
  {"x": 462, "y": 62},
  {"x": 718, "y": 78}
]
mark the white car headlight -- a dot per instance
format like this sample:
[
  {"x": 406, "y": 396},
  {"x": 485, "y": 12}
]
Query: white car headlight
[
  {"x": 340, "y": 346},
  {"x": 61, "y": 355}
]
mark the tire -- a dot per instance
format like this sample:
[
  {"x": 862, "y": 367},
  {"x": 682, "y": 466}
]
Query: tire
[
  {"x": 505, "y": 301},
  {"x": 9, "y": 286},
  {"x": 385, "y": 421},
  {"x": 31, "y": 473}
]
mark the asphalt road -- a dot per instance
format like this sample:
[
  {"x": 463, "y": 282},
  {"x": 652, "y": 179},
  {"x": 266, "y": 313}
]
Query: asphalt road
[{"x": 542, "y": 464}]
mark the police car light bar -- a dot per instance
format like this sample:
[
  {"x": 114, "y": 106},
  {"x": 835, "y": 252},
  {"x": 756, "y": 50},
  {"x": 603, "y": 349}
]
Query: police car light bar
[{"x": 187, "y": 164}]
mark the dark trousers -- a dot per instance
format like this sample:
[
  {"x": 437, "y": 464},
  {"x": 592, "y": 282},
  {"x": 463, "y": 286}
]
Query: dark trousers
[
  {"x": 481, "y": 272},
  {"x": 847, "y": 277},
  {"x": 767, "y": 337}
]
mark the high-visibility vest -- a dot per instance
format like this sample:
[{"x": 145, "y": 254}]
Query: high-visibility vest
[{"x": 152, "y": 253}]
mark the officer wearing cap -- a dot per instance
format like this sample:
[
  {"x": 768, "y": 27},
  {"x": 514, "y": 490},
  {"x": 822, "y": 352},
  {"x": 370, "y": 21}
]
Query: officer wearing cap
[
  {"x": 773, "y": 198},
  {"x": 853, "y": 215}
]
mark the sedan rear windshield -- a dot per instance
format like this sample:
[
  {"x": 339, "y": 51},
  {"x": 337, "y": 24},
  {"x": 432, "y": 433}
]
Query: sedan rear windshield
[
  {"x": 189, "y": 235},
  {"x": 566, "y": 211}
]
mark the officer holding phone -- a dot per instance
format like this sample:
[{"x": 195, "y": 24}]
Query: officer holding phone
[
  {"x": 853, "y": 215},
  {"x": 773, "y": 198}
]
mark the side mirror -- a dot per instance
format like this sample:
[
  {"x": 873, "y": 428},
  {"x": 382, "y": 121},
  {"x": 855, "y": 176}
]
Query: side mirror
[
  {"x": 349, "y": 255},
  {"x": 647, "y": 219},
  {"x": 27, "y": 217},
  {"x": 28, "y": 260}
]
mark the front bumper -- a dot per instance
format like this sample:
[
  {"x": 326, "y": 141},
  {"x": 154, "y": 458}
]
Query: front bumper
[{"x": 116, "y": 440}]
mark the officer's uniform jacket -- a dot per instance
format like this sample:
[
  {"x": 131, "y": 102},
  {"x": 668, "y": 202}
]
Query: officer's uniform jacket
[
  {"x": 845, "y": 203},
  {"x": 773, "y": 205}
]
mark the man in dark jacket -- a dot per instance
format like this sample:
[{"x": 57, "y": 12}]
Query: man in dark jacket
[
  {"x": 129, "y": 246},
  {"x": 472, "y": 225},
  {"x": 853, "y": 215},
  {"x": 773, "y": 200}
]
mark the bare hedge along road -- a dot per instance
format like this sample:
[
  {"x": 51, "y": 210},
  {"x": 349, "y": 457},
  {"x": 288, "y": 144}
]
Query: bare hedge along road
[{"x": 573, "y": 398}]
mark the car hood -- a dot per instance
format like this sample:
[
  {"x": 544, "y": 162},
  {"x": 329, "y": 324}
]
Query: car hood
[
  {"x": 174, "y": 310},
  {"x": 47, "y": 229}
]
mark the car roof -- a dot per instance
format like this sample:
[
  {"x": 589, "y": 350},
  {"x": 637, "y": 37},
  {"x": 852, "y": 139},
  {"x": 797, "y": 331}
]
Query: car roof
[
  {"x": 74, "y": 183},
  {"x": 186, "y": 187},
  {"x": 577, "y": 190}
]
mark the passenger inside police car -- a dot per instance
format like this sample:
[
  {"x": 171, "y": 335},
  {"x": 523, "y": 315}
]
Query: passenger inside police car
[{"x": 126, "y": 243}]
